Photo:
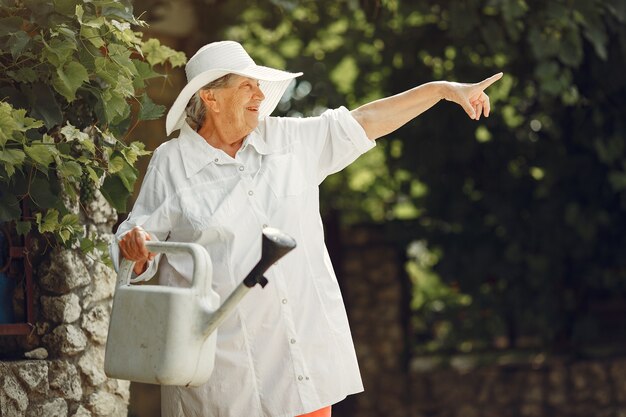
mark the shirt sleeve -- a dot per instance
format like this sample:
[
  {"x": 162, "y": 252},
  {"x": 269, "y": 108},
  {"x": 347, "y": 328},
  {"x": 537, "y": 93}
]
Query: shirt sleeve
[
  {"x": 332, "y": 140},
  {"x": 151, "y": 212}
]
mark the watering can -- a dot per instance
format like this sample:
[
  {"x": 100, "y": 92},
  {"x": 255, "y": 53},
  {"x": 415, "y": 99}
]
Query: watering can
[{"x": 166, "y": 335}]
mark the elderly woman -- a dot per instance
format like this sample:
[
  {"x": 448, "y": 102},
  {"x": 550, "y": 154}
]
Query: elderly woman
[{"x": 286, "y": 350}]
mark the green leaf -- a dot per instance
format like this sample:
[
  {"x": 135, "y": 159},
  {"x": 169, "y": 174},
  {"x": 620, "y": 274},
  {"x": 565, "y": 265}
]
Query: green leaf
[
  {"x": 115, "y": 107},
  {"x": 128, "y": 175},
  {"x": 12, "y": 158},
  {"x": 26, "y": 75},
  {"x": 71, "y": 133},
  {"x": 92, "y": 35},
  {"x": 9, "y": 206},
  {"x": 106, "y": 69},
  {"x": 156, "y": 54},
  {"x": 7, "y": 123},
  {"x": 44, "y": 193},
  {"x": 48, "y": 223},
  {"x": 9, "y": 25},
  {"x": 149, "y": 110},
  {"x": 144, "y": 71},
  {"x": 92, "y": 174},
  {"x": 44, "y": 104},
  {"x": 18, "y": 42},
  {"x": 116, "y": 164},
  {"x": 124, "y": 86},
  {"x": 25, "y": 123},
  {"x": 23, "y": 228},
  {"x": 58, "y": 51},
  {"x": 115, "y": 192},
  {"x": 66, "y": 7},
  {"x": 69, "y": 226},
  {"x": 87, "y": 245},
  {"x": 121, "y": 56},
  {"x": 68, "y": 79},
  {"x": 79, "y": 12},
  {"x": 70, "y": 169},
  {"x": 40, "y": 153}
]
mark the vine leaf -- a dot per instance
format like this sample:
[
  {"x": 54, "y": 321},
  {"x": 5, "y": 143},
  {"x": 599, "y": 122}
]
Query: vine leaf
[
  {"x": 149, "y": 109},
  {"x": 68, "y": 79},
  {"x": 42, "y": 154}
]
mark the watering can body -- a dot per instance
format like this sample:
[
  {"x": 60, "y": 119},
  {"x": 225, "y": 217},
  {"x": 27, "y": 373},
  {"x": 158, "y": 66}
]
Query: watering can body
[
  {"x": 166, "y": 335},
  {"x": 155, "y": 333}
]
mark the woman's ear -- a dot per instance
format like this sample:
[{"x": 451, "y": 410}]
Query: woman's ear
[{"x": 208, "y": 98}]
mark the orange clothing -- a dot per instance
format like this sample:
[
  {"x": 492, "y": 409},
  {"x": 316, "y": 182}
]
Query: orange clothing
[{"x": 322, "y": 412}]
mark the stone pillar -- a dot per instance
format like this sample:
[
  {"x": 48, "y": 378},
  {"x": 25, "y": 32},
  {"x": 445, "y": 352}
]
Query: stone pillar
[
  {"x": 64, "y": 372},
  {"x": 372, "y": 284}
]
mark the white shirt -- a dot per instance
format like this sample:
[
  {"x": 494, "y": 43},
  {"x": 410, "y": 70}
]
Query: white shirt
[{"x": 286, "y": 349}]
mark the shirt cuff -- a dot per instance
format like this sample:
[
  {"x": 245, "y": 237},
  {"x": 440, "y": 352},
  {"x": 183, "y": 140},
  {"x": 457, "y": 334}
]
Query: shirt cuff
[{"x": 355, "y": 131}]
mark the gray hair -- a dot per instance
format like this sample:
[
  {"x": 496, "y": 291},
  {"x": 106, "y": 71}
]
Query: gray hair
[{"x": 196, "y": 110}]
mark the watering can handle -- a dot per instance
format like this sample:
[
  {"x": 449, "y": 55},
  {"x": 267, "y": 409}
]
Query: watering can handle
[{"x": 201, "y": 261}]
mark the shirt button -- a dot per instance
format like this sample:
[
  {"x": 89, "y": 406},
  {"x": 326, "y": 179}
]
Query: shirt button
[
  {"x": 300, "y": 378},
  {"x": 241, "y": 168},
  {"x": 307, "y": 378},
  {"x": 250, "y": 192},
  {"x": 264, "y": 226},
  {"x": 293, "y": 341},
  {"x": 284, "y": 301},
  {"x": 216, "y": 159}
]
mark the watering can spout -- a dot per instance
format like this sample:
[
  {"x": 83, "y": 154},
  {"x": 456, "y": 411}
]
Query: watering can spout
[{"x": 275, "y": 245}]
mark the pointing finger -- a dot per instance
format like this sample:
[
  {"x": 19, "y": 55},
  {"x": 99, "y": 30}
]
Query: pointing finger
[{"x": 487, "y": 82}]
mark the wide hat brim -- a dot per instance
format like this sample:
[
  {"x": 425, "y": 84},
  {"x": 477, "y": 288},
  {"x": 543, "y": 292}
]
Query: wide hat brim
[{"x": 272, "y": 82}]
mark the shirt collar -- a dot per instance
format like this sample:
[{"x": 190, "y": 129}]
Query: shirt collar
[{"x": 197, "y": 153}]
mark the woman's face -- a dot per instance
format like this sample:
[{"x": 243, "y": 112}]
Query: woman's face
[{"x": 237, "y": 107}]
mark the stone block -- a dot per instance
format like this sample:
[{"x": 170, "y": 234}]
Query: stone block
[
  {"x": 39, "y": 353},
  {"x": 81, "y": 412},
  {"x": 590, "y": 383},
  {"x": 64, "y": 380},
  {"x": 449, "y": 386},
  {"x": 100, "y": 211},
  {"x": 61, "y": 309},
  {"x": 96, "y": 323},
  {"x": 34, "y": 375},
  {"x": 64, "y": 272},
  {"x": 534, "y": 387},
  {"x": 557, "y": 385},
  {"x": 91, "y": 364},
  {"x": 104, "y": 404},
  {"x": 618, "y": 375},
  {"x": 119, "y": 387},
  {"x": 66, "y": 339},
  {"x": 13, "y": 398},
  {"x": 103, "y": 284},
  {"x": 53, "y": 408}
]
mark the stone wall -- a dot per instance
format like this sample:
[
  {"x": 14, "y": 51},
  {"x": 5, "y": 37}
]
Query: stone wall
[
  {"x": 375, "y": 289},
  {"x": 61, "y": 372},
  {"x": 554, "y": 387}
]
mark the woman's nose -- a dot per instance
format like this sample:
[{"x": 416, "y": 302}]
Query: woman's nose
[{"x": 259, "y": 93}]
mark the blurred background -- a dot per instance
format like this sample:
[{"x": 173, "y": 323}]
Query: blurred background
[{"x": 483, "y": 264}]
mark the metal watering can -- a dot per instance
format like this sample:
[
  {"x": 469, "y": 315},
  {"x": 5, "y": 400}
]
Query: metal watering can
[{"x": 166, "y": 335}]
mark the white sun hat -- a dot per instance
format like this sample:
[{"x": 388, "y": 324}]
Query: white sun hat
[{"x": 217, "y": 59}]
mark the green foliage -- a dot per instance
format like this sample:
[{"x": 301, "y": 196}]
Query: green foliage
[
  {"x": 71, "y": 70},
  {"x": 525, "y": 209}
]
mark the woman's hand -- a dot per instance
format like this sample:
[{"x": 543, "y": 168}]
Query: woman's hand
[
  {"x": 471, "y": 97},
  {"x": 133, "y": 247}
]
